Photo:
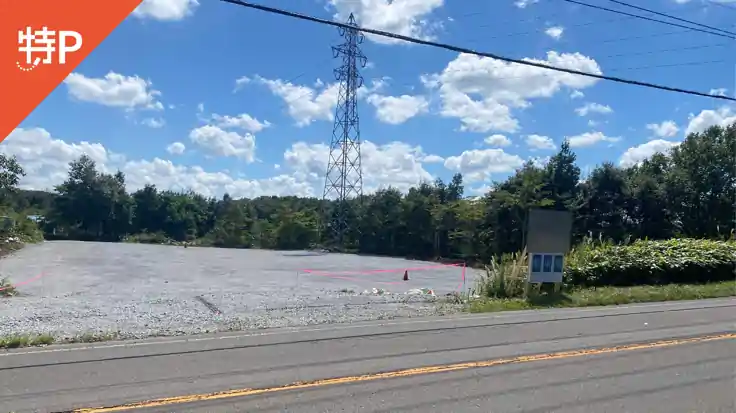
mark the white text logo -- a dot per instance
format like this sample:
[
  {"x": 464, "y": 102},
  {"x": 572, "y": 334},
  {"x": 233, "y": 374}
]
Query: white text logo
[{"x": 40, "y": 46}]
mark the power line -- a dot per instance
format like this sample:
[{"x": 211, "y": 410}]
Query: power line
[
  {"x": 287, "y": 102},
  {"x": 633, "y": 6},
  {"x": 580, "y": 3},
  {"x": 676, "y": 49},
  {"x": 698, "y": 63},
  {"x": 529, "y": 32},
  {"x": 468, "y": 51},
  {"x": 647, "y": 36}
]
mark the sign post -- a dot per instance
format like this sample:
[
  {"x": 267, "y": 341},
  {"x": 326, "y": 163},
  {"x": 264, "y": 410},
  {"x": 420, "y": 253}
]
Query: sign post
[{"x": 548, "y": 240}]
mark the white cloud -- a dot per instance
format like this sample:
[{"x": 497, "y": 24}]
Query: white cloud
[
  {"x": 540, "y": 142},
  {"x": 224, "y": 143},
  {"x": 555, "y": 32},
  {"x": 666, "y": 129},
  {"x": 305, "y": 105},
  {"x": 497, "y": 140},
  {"x": 589, "y": 108},
  {"x": 576, "y": 94},
  {"x": 166, "y": 10},
  {"x": 482, "y": 92},
  {"x": 480, "y": 164},
  {"x": 590, "y": 138},
  {"x": 540, "y": 161},
  {"x": 115, "y": 90},
  {"x": 176, "y": 148},
  {"x": 155, "y": 123},
  {"x": 200, "y": 107},
  {"x": 432, "y": 159},
  {"x": 722, "y": 117},
  {"x": 46, "y": 161},
  {"x": 242, "y": 121},
  {"x": 309, "y": 104},
  {"x": 637, "y": 154},
  {"x": 722, "y": 91},
  {"x": 522, "y": 4},
  {"x": 241, "y": 82},
  {"x": 396, "y": 110},
  {"x": 394, "y": 164},
  {"x": 411, "y": 18}
]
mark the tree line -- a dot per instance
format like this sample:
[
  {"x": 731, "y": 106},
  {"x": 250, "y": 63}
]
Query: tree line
[{"x": 688, "y": 192}]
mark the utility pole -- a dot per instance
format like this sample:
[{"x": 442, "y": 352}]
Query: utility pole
[{"x": 344, "y": 176}]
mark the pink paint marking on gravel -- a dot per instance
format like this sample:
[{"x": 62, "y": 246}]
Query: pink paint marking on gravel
[
  {"x": 354, "y": 279},
  {"x": 462, "y": 279},
  {"x": 28, "y": 281},
  {"x": 427, "y": 267},
  {"x": 334, "y": 274}
]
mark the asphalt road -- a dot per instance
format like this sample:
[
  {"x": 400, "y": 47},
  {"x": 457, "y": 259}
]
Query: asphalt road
[{"x": 668, "y": 358}]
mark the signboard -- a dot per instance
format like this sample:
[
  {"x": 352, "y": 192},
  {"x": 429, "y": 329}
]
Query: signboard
[{"x": 548, "y": 240}]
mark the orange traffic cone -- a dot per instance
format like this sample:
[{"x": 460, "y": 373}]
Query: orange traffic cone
[{"x": 406, "y": 275}]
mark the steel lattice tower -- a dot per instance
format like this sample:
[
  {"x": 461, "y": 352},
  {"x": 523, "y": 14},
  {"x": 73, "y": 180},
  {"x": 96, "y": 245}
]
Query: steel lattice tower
[{"x": 344, "y": 177}]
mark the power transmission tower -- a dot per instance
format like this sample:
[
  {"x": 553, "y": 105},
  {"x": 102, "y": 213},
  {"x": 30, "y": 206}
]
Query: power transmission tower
[{"x": 344, "y": 177}]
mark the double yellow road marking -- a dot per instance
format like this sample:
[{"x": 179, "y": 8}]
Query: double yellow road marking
[{"x": 404, "y": 373}]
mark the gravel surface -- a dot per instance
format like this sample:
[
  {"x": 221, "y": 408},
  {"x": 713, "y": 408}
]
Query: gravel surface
[{"x": 133, "y": 290}]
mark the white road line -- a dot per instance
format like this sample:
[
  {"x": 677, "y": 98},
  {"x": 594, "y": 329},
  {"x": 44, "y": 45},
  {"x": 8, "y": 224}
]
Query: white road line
[{"x": 292, "y": 330}]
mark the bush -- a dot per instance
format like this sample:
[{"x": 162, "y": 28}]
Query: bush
[
  {"x": 149, "y": 238},
  {"x": 7, "y": 289},
  {"x": 28, "y": 231},
  {"x": 504, "y": 277},
  {"x": 674, "y": 261}
]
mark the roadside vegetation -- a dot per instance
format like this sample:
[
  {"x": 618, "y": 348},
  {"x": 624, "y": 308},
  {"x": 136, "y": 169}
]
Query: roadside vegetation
[
  {"x": 602, "y": 273},
  {"x": 659, "y": 228},
  {"x": 16, "y": 229},
  {"x": 687, "y": 193},
  {"x": 31, "y": 340}
]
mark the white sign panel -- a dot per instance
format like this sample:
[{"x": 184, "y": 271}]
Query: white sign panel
[{"x": 546, "y": 267}]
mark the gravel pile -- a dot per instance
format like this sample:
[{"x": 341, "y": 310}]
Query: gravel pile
[{"x": 136, "y": 291}]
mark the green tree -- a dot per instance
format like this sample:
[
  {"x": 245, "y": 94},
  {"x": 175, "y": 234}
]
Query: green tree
[{"x": 10, "y": 174}]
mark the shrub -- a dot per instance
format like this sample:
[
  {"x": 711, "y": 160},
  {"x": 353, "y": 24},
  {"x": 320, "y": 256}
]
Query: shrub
[
  {"x": 504, "y": 277},
  {"x": 149, "y": 238},
  {"x": 7, "y": 289},
  {"x": 644, "y": 262},
  {"x": 28, "y": 231}
]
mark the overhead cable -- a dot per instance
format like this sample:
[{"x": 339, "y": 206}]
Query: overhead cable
[
  {"x": 459, "y": 49},
  {"x": 633, "y": 6},
  {"x": 593, "y": 6}
]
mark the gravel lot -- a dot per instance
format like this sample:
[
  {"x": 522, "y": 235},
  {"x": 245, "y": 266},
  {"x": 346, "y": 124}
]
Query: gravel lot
[{"x": 71, "y": 288}]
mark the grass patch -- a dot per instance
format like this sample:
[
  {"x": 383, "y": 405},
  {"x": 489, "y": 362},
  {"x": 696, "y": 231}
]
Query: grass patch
[
  {"x": 602, "y": 296},
  {"x": 92, "y": 338},
  {"x": 32, "y": 340},
  {"x": 18, "y": 341},
  {"x": 7, "y": 289}
]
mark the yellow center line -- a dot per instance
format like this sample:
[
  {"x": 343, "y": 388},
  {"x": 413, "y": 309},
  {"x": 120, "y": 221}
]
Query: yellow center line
[{"x": 403, "y": 373}]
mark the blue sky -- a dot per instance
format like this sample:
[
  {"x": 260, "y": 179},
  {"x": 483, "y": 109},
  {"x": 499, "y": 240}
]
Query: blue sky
[{"x": 209, "y": 96}]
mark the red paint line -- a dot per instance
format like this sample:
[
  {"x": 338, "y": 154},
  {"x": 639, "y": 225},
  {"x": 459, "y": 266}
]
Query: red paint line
[
  {"x": 341, "y": 274},
  {"x": 355, "y": 279},
  {"x": 383, "y": 271},
  {"x": 28, "y": 281}
]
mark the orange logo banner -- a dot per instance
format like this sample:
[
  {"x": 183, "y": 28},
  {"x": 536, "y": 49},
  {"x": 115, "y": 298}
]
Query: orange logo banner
[{"x": 42, "y": 42}]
